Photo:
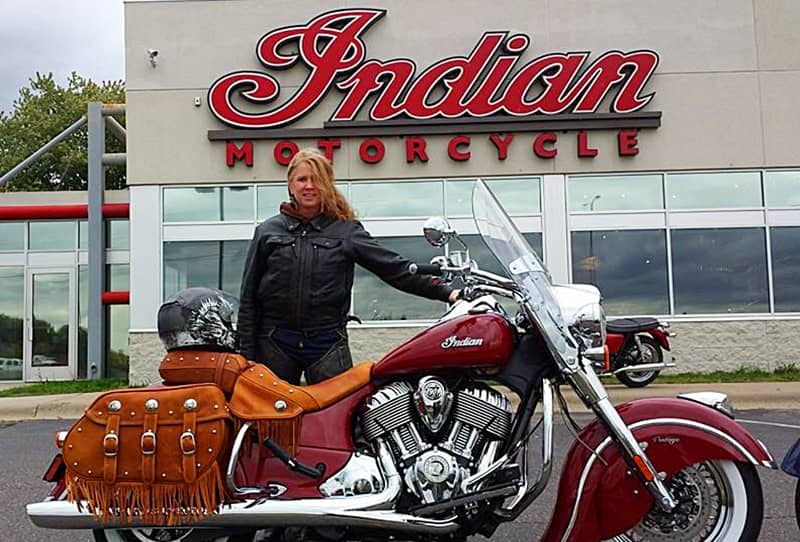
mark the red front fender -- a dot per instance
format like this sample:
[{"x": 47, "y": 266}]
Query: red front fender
[{"x": 598, "y": 499}]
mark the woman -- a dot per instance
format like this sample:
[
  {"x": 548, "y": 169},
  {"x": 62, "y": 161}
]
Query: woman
[{"x": 298, "y": 275}]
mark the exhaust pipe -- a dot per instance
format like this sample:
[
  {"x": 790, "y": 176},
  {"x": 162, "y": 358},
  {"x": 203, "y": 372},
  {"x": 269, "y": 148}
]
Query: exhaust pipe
[
  {"x": 643, "y": 367},
  {"x": 308, "y": 512},
  {"x": 372, "y": 511}
]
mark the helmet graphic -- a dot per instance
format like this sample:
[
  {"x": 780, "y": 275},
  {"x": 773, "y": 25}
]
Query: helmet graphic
[{"x": 198, "y": 318}]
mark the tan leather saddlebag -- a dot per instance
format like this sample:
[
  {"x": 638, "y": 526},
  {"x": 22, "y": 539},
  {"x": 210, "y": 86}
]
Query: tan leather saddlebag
[
  {"x": 198, "y": 367},
  {"x": 150, "y": 453}
]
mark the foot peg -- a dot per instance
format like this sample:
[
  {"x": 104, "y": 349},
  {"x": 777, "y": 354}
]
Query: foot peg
[{"x": 292, "y": 463}]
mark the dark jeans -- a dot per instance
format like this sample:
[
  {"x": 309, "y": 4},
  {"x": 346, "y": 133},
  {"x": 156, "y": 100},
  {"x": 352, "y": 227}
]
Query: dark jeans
[{"x": 289, "y": 353}]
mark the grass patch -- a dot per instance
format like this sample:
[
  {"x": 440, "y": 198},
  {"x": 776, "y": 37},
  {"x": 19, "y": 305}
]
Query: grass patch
[
  {"x": 69, "y": 386},
  {"x": 785, "y": 373}
]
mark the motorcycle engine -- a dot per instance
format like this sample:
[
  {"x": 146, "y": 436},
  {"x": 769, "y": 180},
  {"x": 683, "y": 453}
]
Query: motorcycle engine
[{"x": 438, "y": 437}]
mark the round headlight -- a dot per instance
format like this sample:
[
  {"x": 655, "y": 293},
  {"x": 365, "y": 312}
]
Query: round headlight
[{"x": 590, "y": 322}]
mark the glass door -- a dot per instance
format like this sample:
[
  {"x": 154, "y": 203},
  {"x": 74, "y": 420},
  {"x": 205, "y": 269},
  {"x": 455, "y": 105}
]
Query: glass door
[{"x": 50, "y": 346}]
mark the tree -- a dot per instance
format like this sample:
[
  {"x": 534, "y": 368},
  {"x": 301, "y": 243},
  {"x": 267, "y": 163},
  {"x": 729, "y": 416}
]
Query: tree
[{"x": 43, "y": 110}]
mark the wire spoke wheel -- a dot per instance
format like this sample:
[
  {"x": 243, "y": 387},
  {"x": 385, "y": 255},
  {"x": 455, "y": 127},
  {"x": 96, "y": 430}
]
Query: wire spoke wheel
[
  {"x": 169, "y": 535},
  {"x": 718, "y": 501},
  {"x": 650, "y": 353}
]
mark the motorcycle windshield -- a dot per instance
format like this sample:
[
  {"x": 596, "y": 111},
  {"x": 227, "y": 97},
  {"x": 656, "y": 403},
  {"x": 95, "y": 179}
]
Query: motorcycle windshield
[{"x": 524, "y": 267}]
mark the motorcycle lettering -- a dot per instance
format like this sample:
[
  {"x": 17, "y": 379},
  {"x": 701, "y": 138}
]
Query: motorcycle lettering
[
  {"x": 454, "y": 342},
  {"x": 672, "y": 441},
  {"x": 486, "y": 82}
]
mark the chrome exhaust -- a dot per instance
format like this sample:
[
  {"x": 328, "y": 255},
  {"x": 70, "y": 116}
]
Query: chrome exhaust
[
  {"x": 643, "y": 367},
  {"x": 374, "y": 510}
]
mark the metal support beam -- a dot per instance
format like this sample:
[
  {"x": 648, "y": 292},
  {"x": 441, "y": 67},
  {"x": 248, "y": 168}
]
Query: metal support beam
[
  {"x": 116, "y": 128},
  {"x": 113, "y": 109},
  {"x": 97, "y": 268},
  {"x": 78, "y": 124},
  {"x": 114, "y": 158}
]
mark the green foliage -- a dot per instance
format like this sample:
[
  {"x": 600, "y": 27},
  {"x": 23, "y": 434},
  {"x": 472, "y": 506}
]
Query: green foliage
[
  {"x": 43, "y": 110},
  {"x": 69, "y": 386}
]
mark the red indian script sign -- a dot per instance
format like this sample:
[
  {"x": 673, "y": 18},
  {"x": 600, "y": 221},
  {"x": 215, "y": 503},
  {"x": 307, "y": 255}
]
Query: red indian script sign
[{"x": 491, "y": 81}]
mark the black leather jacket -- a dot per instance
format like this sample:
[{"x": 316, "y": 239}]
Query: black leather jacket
[{"x": 299, "y": 275}]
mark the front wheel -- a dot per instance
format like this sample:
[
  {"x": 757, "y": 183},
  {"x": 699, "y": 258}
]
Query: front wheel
[
  {"x": 718, "y": 501},
  {"x": 651, "y": 353}
]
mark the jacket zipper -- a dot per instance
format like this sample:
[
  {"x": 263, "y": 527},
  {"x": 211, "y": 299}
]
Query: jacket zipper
[{"x": 301, "y": 242}]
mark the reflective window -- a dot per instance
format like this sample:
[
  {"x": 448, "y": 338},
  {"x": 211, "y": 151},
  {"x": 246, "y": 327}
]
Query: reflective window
[
  {"x": 237, "y": 203},
  {"x": 83, "y": 319},
  {"x": 11, "y": 320},
  {"x": 719, "y": 271},
  {"x": 376, "y": 300},
  {"x": 195, "y": 204},
  {"x": 714, "y": 190},
  {"x": 783, "y": 188},
  {"x": 117, "y": 330},
  {"x": 270, "y": 199},
  {"x": 786, "y": 268},
  {"x": 118, "y": 235},
  {"x": 83, "y": 234},
  {"x": 397, "y": 199},
  {"x": 215, "y": 264},
  {"x": 12, "y": 236},
  {"x": 118, "y": 277},
  {"x": 50, "y": 319},
  {"x": 51, "y": 235},
  {"x": 518, "y": 196},
  {"x": 629, "y": 267},
  {"x": 611, "y": 193}
]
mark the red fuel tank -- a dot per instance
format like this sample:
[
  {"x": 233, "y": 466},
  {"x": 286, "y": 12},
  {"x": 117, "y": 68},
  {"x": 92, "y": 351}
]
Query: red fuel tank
[{"x": 472, "y": 340}]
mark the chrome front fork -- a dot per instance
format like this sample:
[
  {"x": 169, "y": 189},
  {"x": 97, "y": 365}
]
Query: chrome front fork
[{"x": 594, "y": 395}]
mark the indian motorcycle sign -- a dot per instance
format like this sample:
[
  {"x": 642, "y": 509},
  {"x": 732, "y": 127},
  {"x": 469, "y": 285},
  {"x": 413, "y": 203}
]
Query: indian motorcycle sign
[{"x": 490, "y": 93}]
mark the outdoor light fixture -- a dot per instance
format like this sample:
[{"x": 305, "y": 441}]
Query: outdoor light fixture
[{"x": 153, "y": 55}]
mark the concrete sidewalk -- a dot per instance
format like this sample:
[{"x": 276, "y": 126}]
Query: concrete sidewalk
[{"x": 748, "y": 396}]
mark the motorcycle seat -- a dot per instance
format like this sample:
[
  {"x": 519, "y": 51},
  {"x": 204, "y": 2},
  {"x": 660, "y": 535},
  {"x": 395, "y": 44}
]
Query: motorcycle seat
[
  {"x": 340, "y": 386},
  {"x": 631, "y": 325}
]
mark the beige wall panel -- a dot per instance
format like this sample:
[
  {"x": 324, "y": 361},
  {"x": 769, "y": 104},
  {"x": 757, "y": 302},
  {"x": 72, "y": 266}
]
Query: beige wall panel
[
  {"x": 780, "y": 91},
  {"x": 777, "y": 22},
  {"x": 688, "y": 35}
]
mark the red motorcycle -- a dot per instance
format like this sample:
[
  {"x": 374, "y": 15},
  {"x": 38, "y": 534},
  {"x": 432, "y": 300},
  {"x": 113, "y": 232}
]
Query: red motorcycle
[
  {"x": 635, "y": 350},
  {"x": 419, "y": 446}
]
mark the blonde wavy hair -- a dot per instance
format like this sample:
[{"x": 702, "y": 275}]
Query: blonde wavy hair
[{"x": 333, "y": 202}]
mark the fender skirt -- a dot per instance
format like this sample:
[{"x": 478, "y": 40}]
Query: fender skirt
[{"x": 598, "y": 499}]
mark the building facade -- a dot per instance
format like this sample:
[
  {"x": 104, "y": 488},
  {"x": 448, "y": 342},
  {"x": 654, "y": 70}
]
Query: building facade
[{"x": 646, "y": 147}]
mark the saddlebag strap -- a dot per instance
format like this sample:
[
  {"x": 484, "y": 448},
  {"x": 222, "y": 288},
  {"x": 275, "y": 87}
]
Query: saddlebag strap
[
  {"x": 148, "y": 447},
  {"x": 111, "y": 449},
  {"x": 188, "y": 444}
]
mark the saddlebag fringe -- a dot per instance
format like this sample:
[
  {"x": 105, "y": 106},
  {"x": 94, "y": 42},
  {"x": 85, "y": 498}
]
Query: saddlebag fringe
[{"x": 167, "y": 504}]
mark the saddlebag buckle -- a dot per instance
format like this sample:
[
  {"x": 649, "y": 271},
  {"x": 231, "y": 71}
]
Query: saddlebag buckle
[
  {"x": 148, "y": 443},
  {"x": 111, "y": 445},
  {"x": 188, "y": 443}
]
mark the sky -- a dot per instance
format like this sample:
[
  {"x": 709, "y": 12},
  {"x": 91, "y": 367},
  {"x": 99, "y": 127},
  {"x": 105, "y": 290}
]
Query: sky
[{"x": 59, "y": 36}]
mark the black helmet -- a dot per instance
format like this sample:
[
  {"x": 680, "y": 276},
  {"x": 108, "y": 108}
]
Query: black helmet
[{"x": 198, "y": 318}]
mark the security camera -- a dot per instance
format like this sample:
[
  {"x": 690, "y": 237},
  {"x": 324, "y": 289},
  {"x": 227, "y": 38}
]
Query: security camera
[{"x": 152, "y": 54}]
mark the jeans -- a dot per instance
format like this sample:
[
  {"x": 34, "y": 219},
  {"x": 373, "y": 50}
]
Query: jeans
[{"x": 289, "y": 353}]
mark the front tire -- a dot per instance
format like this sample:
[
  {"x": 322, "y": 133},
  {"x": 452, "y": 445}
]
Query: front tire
[
  {"x": 651, "y": 353},
  {"x": 718, "y": 501}
]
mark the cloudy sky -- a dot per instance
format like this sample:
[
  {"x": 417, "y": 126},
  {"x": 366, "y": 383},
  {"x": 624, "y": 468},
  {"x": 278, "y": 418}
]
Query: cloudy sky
[{"x": 59, "y": 36}]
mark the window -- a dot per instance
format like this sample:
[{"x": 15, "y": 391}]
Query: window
[
  {"x": 118, "y": 318},
  {"x": 719, "y": 271},
  {"x": 786, "y": 268},
  {"x": 376, "y": 300},
  {"x": 215, "y": 264},
  {"x": 714, "y": 190},
  {"x": 117, "y": 235},
  {"x": 118, "y": 277},
  {"x": 397, "y": 199},
  {"x": 629, "y": 267},
  {"x": 782, "y": 188},
  {"x": 615, "y": 193},
  {"x": 12, "y": 236},
  {"x": 58, "y": 235},
  {"x": 518, "y": 196},
  {"x": 269, "y": 200},
  {"x": 11, "y": 315}
]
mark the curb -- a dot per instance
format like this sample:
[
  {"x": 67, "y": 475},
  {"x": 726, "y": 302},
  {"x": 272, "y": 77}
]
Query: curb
[{"x": 743, "y": 396}]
